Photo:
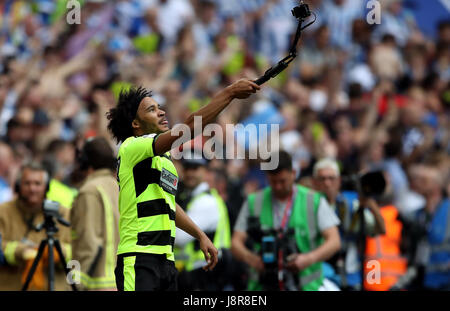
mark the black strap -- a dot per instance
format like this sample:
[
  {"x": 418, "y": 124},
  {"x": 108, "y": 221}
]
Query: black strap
[{"x": 95, "y": 262}]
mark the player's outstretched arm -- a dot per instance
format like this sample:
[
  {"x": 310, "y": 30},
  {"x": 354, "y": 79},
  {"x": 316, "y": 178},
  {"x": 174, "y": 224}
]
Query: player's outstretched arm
[{"x": 240, "y": 89}]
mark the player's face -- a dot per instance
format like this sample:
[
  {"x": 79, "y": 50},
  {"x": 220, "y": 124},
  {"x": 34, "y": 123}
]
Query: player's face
[{"x": 150, "y": 118}]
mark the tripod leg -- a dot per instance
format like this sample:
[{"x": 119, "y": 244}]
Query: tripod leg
[
  {"x": 51, "y": 265},
  {"x": 34, "y": 265},
  {"x": 63, "y": 261}
]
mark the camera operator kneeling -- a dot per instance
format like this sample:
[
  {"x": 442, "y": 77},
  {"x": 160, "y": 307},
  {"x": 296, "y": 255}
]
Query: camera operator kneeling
[{"x": 291, "y": 230}]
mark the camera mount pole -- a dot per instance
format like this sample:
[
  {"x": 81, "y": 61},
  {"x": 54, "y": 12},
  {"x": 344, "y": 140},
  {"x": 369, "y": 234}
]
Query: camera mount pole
[{"x": 272, "y": 72}]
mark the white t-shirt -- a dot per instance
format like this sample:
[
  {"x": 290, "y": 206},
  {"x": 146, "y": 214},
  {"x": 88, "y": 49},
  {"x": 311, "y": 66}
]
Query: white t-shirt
[{"x": 204, "y": 213}]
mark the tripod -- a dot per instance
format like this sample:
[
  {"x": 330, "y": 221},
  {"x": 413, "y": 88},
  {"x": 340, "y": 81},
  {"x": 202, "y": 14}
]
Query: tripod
[{"x": 51, "y": 242}]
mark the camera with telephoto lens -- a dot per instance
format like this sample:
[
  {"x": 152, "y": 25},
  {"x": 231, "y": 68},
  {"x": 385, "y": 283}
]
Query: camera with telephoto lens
[
  {"x": 302, "y": 11},
  {"x": 371, "y": 184},
  {"x": 271, "y": 243}
]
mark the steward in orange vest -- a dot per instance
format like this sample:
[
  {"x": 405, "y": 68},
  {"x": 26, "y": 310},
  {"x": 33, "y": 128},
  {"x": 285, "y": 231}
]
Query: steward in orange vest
[{"x": 385, "y": 251}]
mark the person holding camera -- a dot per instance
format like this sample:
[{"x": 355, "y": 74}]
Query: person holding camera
[
  {"x": 292, "y": 230},
  {"x": 327, "y": 180},
  {"x": 18, "y": 221},
  {"x": 148, "y": 181},
  {"x": 95, "y": 216},
  {"x": 428, "y": 234}
]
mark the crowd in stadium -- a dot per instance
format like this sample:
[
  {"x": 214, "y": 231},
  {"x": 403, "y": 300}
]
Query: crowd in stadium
[{"x": 370, "y": 96}]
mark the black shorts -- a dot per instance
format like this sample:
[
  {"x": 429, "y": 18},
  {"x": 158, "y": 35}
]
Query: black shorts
[{"x": 145, "y": 272}]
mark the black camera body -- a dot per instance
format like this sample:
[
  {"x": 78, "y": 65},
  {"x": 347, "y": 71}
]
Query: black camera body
[
  {"x": 302, "y": 11},
  {"x": 272, "y": 242},
  {"x": 371, "y": 184},
  {"x": 50, "y": 210}
]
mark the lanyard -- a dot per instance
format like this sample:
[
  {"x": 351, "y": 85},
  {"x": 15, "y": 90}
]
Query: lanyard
[
  {"x": 286, "y": 215},
  {"x": 283, "y": 226}
]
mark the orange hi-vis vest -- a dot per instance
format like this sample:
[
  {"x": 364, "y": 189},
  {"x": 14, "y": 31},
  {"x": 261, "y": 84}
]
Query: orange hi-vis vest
[{"x": 383, "y": 253}]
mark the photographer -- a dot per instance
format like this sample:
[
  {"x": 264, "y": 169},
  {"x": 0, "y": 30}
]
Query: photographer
[
  {"x": 427, "y": 230},
  {"x": 327, "y": 180},
  {"x": 293, "y": 230},
  {"x": 95, "y": 216},
  {"x": 18, "y": 220}
]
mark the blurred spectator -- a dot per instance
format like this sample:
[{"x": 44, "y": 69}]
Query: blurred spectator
[
  {"x": 428, "y": 233},
  {"x": 395, "y": 21},
  {"x": 206, "y": 27},
  {"x": 339, "y": 16},
  {"x": 209, "y": 212},
  {"x": 316, "y": 57},
  {"x": 385, "y": 59},
  {"x": 393, "y": 167},
  {"x": 59, "y": 162},
  {"x": 171, "y": 16},
  {"x": 345, "y": 266},
  {"x": 6, "y": 167}
]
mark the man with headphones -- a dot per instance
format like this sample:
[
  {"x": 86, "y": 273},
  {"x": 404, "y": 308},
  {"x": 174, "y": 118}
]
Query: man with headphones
[
  {"x": 18, "y": 220},
  {"x": 95, "y": 216}
]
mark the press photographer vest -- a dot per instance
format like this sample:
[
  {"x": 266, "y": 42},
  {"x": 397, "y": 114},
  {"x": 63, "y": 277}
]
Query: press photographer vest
[
  {"x": 304, "y": 222},
  {"x": 221, "y": 237}
]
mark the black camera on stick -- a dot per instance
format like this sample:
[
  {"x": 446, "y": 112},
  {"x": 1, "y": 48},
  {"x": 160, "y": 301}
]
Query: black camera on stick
[{"x": 302, "y": 11}]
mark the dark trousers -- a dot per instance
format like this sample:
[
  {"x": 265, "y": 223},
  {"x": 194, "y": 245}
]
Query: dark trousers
[{"x": 145, "y": 272}]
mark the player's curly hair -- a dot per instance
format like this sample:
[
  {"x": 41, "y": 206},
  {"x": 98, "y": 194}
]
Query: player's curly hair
[{"x": 121, "y": 116}]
